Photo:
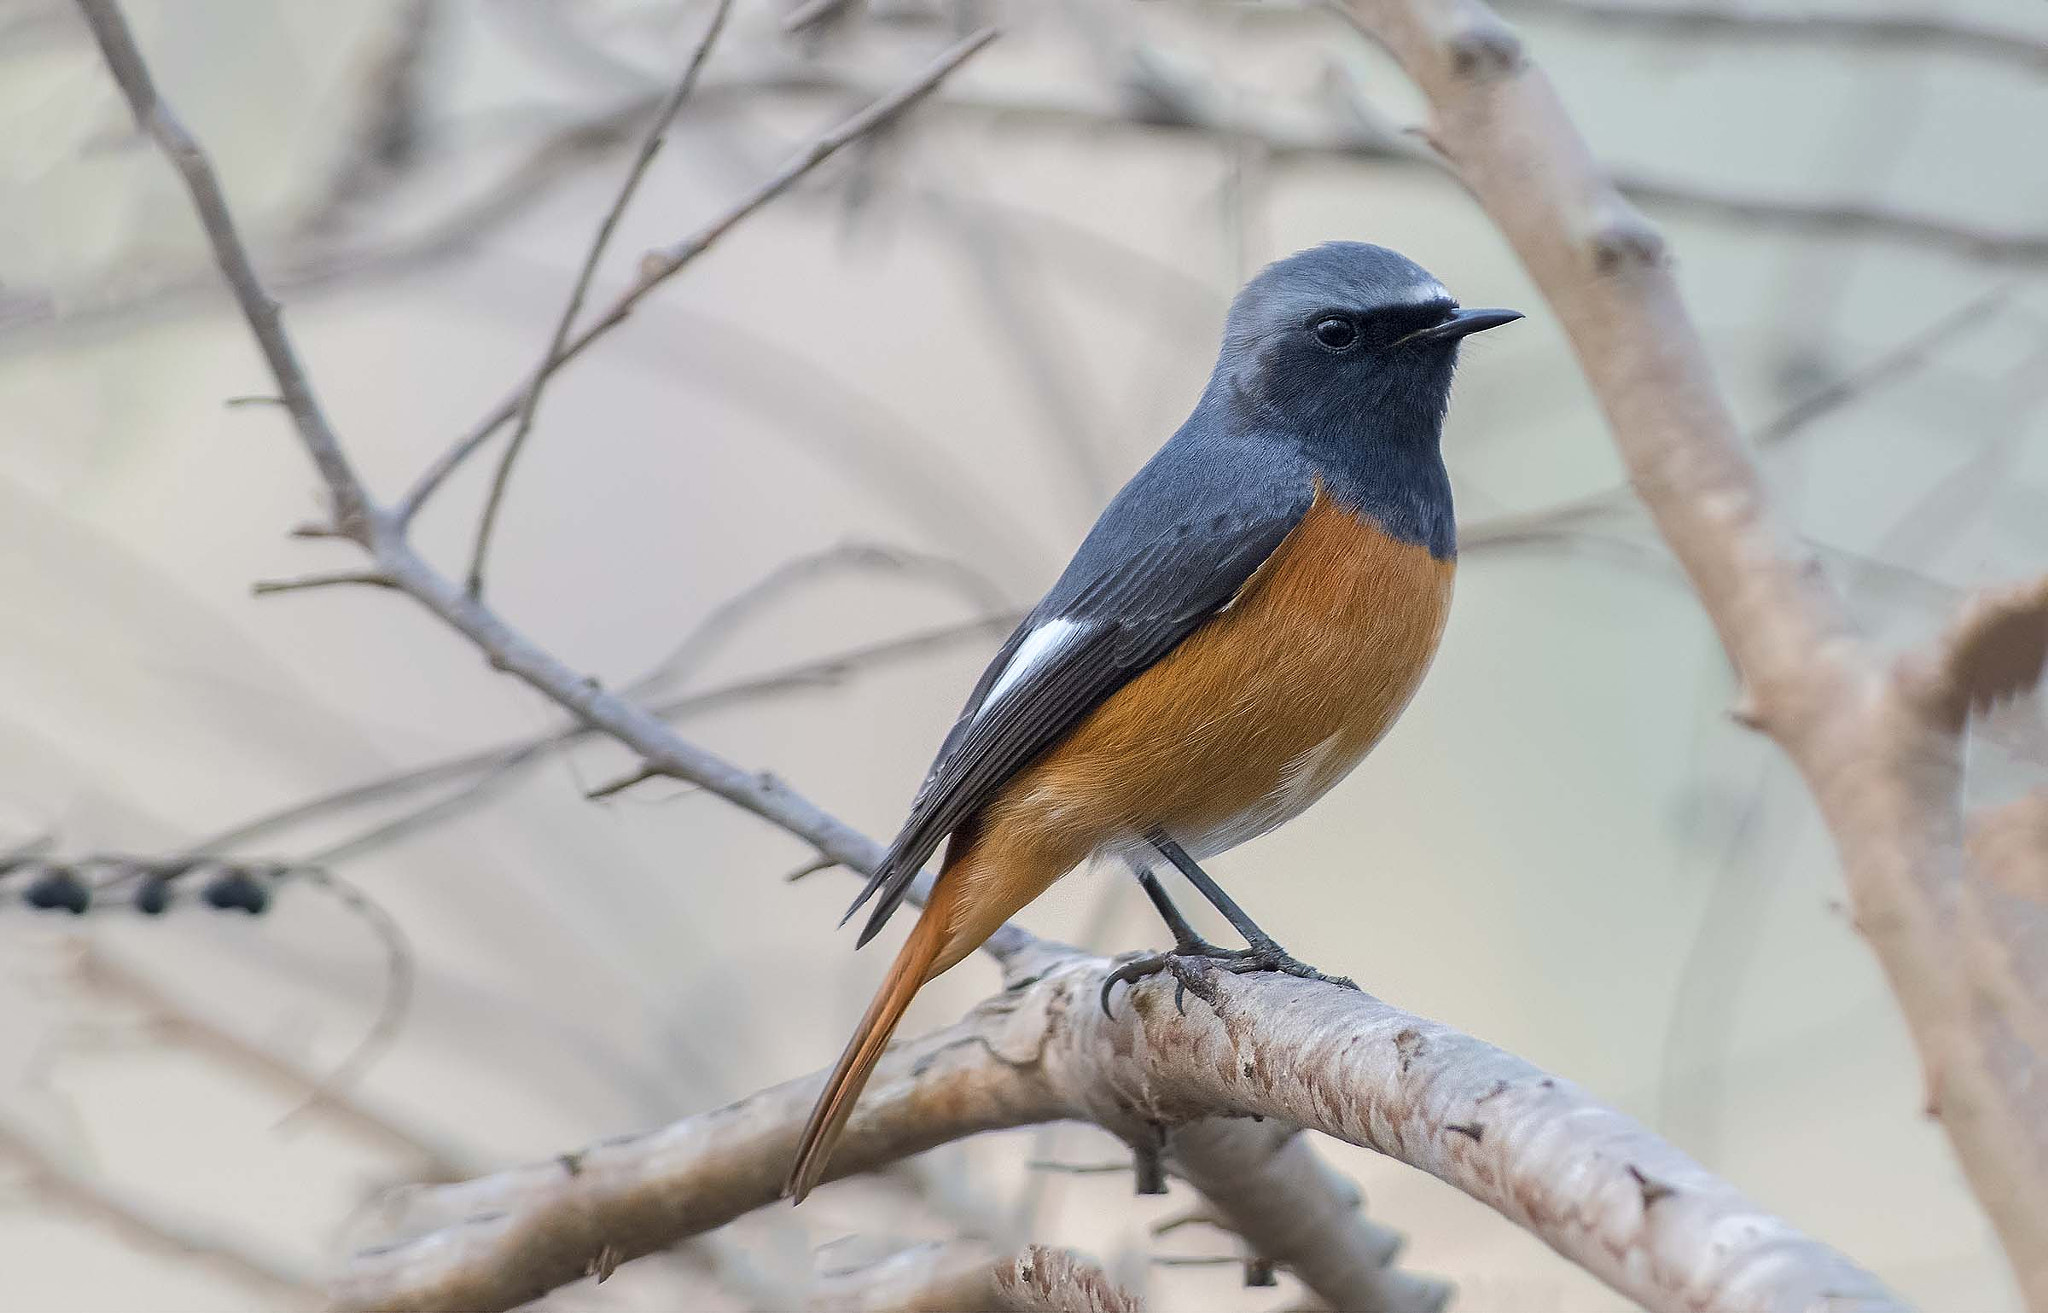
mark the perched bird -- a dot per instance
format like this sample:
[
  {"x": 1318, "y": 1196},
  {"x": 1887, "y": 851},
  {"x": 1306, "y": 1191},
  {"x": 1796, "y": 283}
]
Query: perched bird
[{"x": 1241, "y": 626}]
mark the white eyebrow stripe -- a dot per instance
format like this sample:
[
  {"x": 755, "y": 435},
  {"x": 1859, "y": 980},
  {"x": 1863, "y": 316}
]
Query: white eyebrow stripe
[
  {"x": 1038, "y": 647},
  {"x": 1421, "y": 294}
]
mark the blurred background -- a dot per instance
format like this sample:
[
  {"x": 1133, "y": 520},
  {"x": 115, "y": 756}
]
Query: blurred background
[{"x": 900, "y": 395}]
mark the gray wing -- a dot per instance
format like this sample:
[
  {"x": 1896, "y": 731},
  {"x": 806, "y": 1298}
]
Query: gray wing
[{"x": 1173, "y": 548}]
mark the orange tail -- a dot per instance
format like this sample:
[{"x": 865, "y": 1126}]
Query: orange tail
[{"x": 914, "y": 965}]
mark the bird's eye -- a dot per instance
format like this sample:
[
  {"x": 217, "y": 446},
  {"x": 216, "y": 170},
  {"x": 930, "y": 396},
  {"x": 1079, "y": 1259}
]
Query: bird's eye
[{"x": 1335, "y": 332}]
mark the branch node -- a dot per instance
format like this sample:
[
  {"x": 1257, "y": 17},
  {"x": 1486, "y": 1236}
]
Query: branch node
[
  {"x": 625, "y": 782},
  {"x": 1747, "y": 711},
  {"x": 1485, "y": 49},
  {"x": 1652, "y": 1190},
  {"x": 1623, "y": 241}
]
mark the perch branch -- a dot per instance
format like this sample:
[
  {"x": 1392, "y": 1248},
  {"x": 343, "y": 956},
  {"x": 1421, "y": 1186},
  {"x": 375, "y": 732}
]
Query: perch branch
[
  {"x": 1882, "y": 759},
  {"x": 1593, "y": 1184}
]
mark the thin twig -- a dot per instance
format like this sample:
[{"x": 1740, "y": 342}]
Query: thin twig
[
  {"x": 529, "y": 405},
  {"x": 494, "y": 765},
  {"x": 663, "y": 263},
  {"x": 332, "y": 579},
  {"x": 1898, "y": 363}
]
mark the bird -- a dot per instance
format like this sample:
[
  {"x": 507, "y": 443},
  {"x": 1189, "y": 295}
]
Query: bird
[{"x": 1243, "y": 623}]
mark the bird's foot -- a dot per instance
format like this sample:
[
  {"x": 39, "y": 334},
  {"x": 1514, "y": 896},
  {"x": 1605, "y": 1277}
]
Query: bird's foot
[
  {"x": 1194, "y": 963},
  {"x": 1265, "y": 955},
  {"x": 1190, "y": 965}
]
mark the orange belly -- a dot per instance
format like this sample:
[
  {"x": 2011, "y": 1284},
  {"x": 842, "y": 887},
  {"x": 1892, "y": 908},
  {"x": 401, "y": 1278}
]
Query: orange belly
[{"x": 1252, "y": 718}]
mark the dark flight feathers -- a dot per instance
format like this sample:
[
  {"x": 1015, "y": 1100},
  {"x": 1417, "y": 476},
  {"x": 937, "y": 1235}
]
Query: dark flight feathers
[{"x": 1174, "y": 547}]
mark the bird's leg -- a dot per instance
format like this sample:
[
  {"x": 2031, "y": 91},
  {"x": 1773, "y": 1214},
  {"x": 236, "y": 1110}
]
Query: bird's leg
[
  {"x": 1187, "y": 963},
  {"x": 1186, "y": 941},
  {"x": 1193, "y": 959},
  {"x": 1262, "y": 953}
]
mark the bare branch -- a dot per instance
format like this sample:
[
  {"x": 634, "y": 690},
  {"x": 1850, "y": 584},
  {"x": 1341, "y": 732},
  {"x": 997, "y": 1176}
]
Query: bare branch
[
  {"x": 1182, "y": 105},
  {"x": 613, "y": 788},
  {"x": 266, "y": 324},
  {"x": 1596, "y": 1186},
  {"x": 529, "y": 405},
  {"x": 493, "y": 765},
  {"x": 664, "y": 262},
  {"x": 370, "y": 578},
  {"x": 811, "y": 13},
  {"x": 380, "y": 532},
  {"x": 1885, "y": 772},
  {"x": 1899, "y": 363}
]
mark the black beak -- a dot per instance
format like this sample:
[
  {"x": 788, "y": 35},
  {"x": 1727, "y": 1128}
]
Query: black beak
[{"x": 1462, "y": 323}]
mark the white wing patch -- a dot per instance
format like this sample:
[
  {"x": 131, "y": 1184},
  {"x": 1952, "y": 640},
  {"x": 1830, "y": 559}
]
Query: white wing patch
[{"x": 1038, "y": 647}]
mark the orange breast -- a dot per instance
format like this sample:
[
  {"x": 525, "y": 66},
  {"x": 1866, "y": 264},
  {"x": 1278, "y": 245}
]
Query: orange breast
[{"x": 1256, "y": 713}]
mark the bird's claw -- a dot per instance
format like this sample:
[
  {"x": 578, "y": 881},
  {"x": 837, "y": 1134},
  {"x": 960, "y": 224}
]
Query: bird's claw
[
  {"x": 1190, "y": 971},
  {"x": 1193, "y": 966}
]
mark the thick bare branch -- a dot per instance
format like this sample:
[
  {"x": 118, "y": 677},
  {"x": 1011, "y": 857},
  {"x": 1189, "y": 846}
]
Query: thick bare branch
[
  {"x": 1596, "y": 1186},
  {"x": 1885, "y": 771}
]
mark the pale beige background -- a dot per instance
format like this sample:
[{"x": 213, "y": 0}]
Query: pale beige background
[{"x": 1566, "y": 847}]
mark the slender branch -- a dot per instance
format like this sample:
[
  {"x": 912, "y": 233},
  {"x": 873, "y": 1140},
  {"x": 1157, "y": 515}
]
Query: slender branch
[
  {"x": 331, "y": 579},
  {"x": 266, "y": 324},
  {"x": 665, "y": 262},
  {"x": 493, "y": 765},
  {"x": 1883, "y": 760},
  {"x": 1596, "y": 1186},
  {"x": 529, "y": 405},
  {"x": 381, "y": 533},
  {"x": 811, "y": 13},
  {"x": 1178, "y": 104},
  {"x": 1899, "y": 363}
]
